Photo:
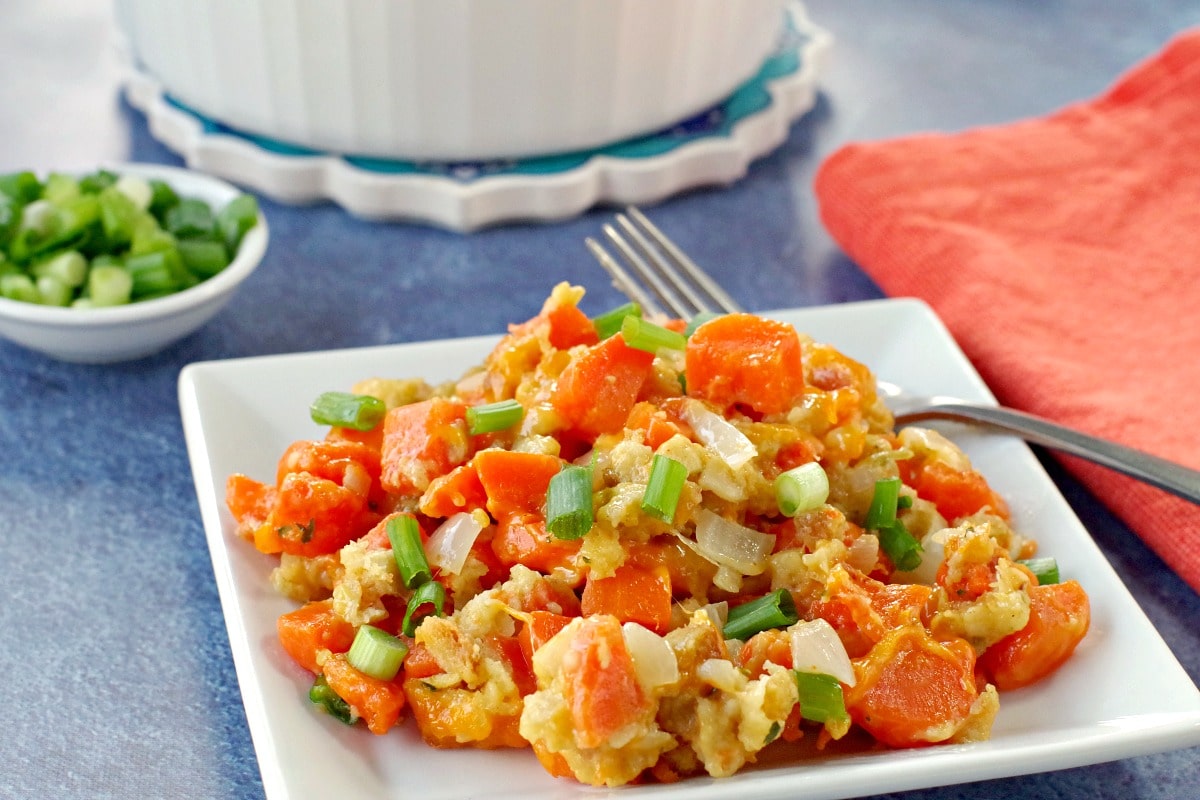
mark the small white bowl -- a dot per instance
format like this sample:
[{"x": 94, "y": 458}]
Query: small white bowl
[
  {"x": 451, "y": 80},
  {"x": 124, "y": 333}
]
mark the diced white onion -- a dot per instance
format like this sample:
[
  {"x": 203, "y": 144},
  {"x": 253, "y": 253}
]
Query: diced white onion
[
  {"x": 721, "y": 674},
  {"x": 136, "y": 189},
  {"x": 931, "y": 443},
  {"x": 732, "y": 545},
  {"x": 653, "y": 659},
  {"x": 718, "y": 434},
  {"x": 728, "y": 579},
  {"x": 718, "y": 613},
  {"x": 817, "y": 648},
  {"x": 449, "y": 546},
  {"x": 547, "y": 659},
  {"x": 863, "y": 553},
  {"x": 933, "y": 552}
]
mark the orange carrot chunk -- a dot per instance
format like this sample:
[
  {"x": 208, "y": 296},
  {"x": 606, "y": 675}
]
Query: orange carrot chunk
[
  {"x": 379, "y": 703},
  {"x": 1059, "y": 616},
  {"x": 515, "y": 482},
  {"x": 311, "y": 629},
  {"x": 956, "y": 493},
  {"x": 598, "y": 389},
  {"x": 912, "y": 689},
  {"x": 602, "y": 689},
  {"x": 458, "y": 490},
  {"x": 745, "y": 360},
  {"x": 422, "y": 441},
  {"x": 523, "y": 539},
  {"x": 632, "y": 594}
]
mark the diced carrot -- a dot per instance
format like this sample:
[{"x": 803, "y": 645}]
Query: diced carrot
[
  {"x": 372, "y": 438},
  {"x": 690, "y": 572},
  {"x": 457, "y": 490},
  {"x": 1059, "y": 617},
  {"x": 599, "y": 387},
  {"x": 249, "y": 501},
  {"x": 515, "y": 482},
  {"x": 830, "y": 369},
  {"x": 601, "y": 689},
  {"x": 311, "y": 629},
  {"x": 956, "y": 493},
  {"x": 912, "y": 689},
  {"x": 379, "y": 703},
  {"x": 539, "y": 629},
  {"x": 332, "y": 459},
  {"x": 511, "y": 652},
  {"x": 420, "y": 663},
  {"x": 422, "y": 441},
  {"x": 561, "y": 322},
  {"x": 313, "y": 516},
  {"x": 657, "y": 425},
  {"x": 770, "y": 645},
  {"x": 745, "y": 360},
  {"x": 554, "y": 763},
  {"x": 523, "y": 539},
  {"x": 455, "y": 717},
  {"x": 632, "y": 594}
]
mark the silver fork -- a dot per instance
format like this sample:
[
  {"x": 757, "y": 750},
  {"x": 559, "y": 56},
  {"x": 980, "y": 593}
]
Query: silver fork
[{"x": 655, "y": 273}]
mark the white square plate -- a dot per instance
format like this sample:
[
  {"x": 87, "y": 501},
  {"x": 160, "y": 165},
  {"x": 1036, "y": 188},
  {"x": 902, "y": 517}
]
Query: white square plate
[{"x": 1122, "y": 694}]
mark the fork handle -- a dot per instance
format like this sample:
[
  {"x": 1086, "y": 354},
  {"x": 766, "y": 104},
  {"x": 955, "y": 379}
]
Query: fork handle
[{"x": 1174, "y": 478}]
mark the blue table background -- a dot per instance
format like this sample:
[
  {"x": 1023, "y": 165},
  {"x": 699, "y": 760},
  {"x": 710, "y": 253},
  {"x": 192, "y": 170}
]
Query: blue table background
[{"x": 118, "y": 676}]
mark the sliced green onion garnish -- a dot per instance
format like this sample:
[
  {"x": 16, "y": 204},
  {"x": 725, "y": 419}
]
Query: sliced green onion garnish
[
  {"x": 69, "y": 266},
  {"x": 237, "y": 217},
  {"x": 53, "y": 291},
  {"x": 154, "y": 272},
  {"x": 1045, "y": 569},
  {"x": 775, "y": 610},
  {"x": 882, "y": 512},
  {"x": 376, "y": 653},
  {"x": 19, "y": 287},
  {"x": 901, "y": 546},
  {"x": 360, "y": 412},
  {"x": 569, "y": 503},
  {"x": 405, "y": 536},
  {"x": 698, "y": 320},
  {"x": 821, "y": 698},
  {"x": 428, "y": 593},
  {"x": 663, "y": 488},
  {"x": 190, "y": 218},
  {"x": 643, "y": 335},
  {"x": 325, "y": 698},
  {"x": 609, "y": 322},
  {"x": 492, "y": 417},
  {"x": 904, "y": 501},
  {"x": 802, "y": 488}
]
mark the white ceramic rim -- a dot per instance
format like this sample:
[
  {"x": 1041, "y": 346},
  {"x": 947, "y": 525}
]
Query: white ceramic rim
[{"x": 249, "y": 254}]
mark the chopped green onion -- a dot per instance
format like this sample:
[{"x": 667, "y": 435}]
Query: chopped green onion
[
  {"x": 109, "y": 285},
  {"x": 569, "y": 503},
  {"x": 97, "y": 182},
  {"x": 189, "y": 218},
  {"x": 376, "y": 653},
  {"x": 239, "y": 216},
  {"x": 361, "y": 412},
  {"x": 492, "y": 417},
  {"x": 821, "y": 698},
  {"x": 428, "y": 593},
  {"x": 53, "y": 291},
  {"x": 24, "y": 187},
  {"x": 609, "y": 322},
  {"x": 904, "y": 501},
  {"x": 1045, "y": 569},
  {"x": 882, "y": 512},
  {"x": 801, "y": 488},
  {"x": 204, "y": 257},
  {"x": 325, "y": 698},
  {"x": 774, "y": 610},
  {"x": 643, "y": 335},
  {"x": 901, "y": 546},
  {"x": 19, "y": 287},
  {"x": 698, "y": 320},
  {"x": 69, "y": 266},
  {"x": 154, "y": 272},
  {"x": 663, "y": 488},
  {"x": 118, "y": 215},
  {"x": 162, "y": 198},
  {"x": 405, "y": 536}
]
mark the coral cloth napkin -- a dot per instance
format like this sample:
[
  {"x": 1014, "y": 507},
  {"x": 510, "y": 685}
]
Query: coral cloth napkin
[{"x": 1063, "y": 253}]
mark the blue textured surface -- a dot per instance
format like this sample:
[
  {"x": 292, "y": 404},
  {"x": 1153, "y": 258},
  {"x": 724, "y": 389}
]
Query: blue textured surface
[{"x": 118, "y": 677}]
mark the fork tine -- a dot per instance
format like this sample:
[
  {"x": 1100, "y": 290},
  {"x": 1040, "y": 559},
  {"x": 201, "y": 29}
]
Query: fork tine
[
  {"x": 622, "y": 280},
  {"x": 680, "y": 259},
  {"x": 676, "y": 305},
  {"x": 654, "y": 256}
]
